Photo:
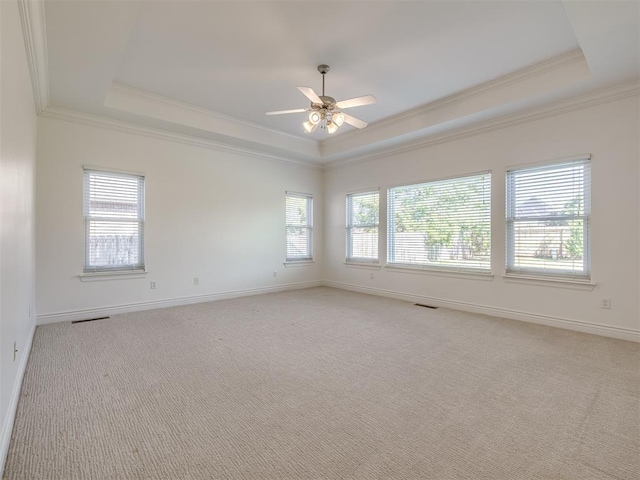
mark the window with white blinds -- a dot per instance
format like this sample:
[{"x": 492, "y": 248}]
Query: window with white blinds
[
  {"x": 548, "y": 209},
  {"x": 299, "y": 220},
  {"x": 445, "y": 225},
  {"x": 114, "y": 221},
  {"x": 363, "y": 212}
]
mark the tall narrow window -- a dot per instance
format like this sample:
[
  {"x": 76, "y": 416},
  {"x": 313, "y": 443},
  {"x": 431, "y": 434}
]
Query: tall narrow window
[
  {"x": 363, "y": 211},
  {"x": 548, "y": 209},
  {"x": 114, "y": 221},
  {"x": 444, "y": 225},
  {"x": 299, "y": 219}
]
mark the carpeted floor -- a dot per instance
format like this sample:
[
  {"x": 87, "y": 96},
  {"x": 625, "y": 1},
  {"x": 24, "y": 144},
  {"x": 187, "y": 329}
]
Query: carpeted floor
[{"x": 325, "y": 384}]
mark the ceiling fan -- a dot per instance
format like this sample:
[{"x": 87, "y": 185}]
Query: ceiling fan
[{"x": 325, "y": 111}]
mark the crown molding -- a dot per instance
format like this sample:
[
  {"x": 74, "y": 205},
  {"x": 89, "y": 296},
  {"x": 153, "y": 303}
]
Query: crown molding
[
  {"x": 571, "y": 66},
  {"x": 559, "y": 66},
  {"x": 147, "y": 104},
  {"x": 32, "y": 16},
  {"x": 81, "y": 118},
  {"x": 527, "y": 73},
  {"x": 590, "y": 99},
  {"x": 579, "y": 102},
  {"x": 121, "y": 87},
  {"x": 560, "y": 61}
]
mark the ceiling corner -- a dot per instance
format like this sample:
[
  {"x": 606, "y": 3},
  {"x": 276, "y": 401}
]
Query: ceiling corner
[{"x": 32, "y": 16}]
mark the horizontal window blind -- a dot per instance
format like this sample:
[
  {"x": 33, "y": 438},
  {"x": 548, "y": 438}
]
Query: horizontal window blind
[
  {"x": 444, "y": 224},
  {"x": 299, "y": 222},
  {"x": 548, "y": 209},
  {"x": 113, "y": 207},
  {"x": 363, "y": 211}
]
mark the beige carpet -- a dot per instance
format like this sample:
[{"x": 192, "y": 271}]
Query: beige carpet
[{"x": 323, "y": 383}]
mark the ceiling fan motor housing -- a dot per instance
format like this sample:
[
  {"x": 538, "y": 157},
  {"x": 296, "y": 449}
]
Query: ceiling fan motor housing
[{"x": 328, "y": 103}]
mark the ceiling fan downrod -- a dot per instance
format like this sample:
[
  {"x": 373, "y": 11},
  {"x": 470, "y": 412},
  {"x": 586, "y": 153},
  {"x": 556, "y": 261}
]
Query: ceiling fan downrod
[
  {"x": 327, "y": 102},
  {"x": 323, "y": 69}
]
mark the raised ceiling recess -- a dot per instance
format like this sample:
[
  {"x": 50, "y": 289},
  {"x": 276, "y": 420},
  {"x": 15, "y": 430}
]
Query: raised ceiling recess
[{"x": 208, "y": 71}]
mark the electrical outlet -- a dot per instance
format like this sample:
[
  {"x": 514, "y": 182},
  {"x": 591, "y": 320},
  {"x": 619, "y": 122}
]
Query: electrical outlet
[
  {"x": 15, "y": 351},
  {"x": 196, "y": 281},
  {"x": 371, "y": 276},
  {"x": 605, "y": 303},
  {"x": 275, "y": 274},
  {"x": 152, "y": 285}
]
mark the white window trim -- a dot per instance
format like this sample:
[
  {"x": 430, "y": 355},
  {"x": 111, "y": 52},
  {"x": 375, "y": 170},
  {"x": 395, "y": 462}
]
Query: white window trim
[
  {"x": 116, "y": 273},
  {"x": 438, "y": 179},
  {"x": 290, "y": 262},
  {"x": 455, "y": 273},
  {"x": 98, "y": 168},
  {"x": 365, "y": 265},
  {"x": 426, "y": 269},
  {"x": 524, "y": 166},
  {"x": 539, "y": 277},
  {"x": 299, "y": 263},
  {"x": 558, "y": 282},
  {"x": 362, "y": 260}
]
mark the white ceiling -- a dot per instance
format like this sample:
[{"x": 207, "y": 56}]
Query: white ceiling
[{"x": 211, "y": 69}]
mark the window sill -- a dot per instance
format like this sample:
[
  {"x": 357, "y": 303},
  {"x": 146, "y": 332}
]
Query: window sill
[
  {"x": 484, "y": 276},
  {"x": 366, "y": 265},
  {"x": 300, "y": 263},
  {"x": 550, "y": 282},
  {"x": 119, "y": 275}
]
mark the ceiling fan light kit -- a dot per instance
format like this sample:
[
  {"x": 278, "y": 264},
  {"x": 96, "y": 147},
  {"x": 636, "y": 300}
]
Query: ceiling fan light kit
[
  {"x": 310, "y": 127},
  {"x": 314, "y": 117},
  {"x": 325, "y": 111}
]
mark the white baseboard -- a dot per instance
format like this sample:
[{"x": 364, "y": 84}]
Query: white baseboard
[
  {"x": 85, "y": 314},
  {"x": 597, "y": 329},
  {"x": 7, "y": 425}
]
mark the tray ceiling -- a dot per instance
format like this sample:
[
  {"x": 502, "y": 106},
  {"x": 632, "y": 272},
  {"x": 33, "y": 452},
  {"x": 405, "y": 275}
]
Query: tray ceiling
[{"x": 212, "y": 69}]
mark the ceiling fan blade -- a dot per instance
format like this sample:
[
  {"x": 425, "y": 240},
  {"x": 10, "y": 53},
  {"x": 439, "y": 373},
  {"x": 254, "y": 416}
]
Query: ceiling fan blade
[
  {"x": 310, "y": 94},
  {"x": 356, "y": 122},
  {"x": 357, "y": 102},
  {"x": 282, "y": 112}
]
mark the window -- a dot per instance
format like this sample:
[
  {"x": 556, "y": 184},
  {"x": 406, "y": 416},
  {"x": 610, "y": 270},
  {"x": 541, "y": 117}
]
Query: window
[
  {"x": 445, "y": 225},
  {"x": 299, "y": 213},
  {"x": 548, "y": 211},
  {"x": 114, "y": 221},
  {"x": 362, "y": 227}
]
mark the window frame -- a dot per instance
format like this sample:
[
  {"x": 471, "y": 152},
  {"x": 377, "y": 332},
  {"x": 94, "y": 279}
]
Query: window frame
[
  {"x": 120, "y": 269},
  {"x": 350, "y": 225},
  {"x": 546, "y": 274},
  {"x": 308, "y": 258},
  {"x": 485, "y": 271}
]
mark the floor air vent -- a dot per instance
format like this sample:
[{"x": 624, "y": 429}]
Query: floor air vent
[
  {"x": 425, "y": 306},
  {"x": 89, "y": 320}
]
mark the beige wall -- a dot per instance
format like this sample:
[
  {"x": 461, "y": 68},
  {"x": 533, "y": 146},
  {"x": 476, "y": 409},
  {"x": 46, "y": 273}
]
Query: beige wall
[
  {"x": 609, "y": 132},
  {"x": 202, "y": 206},
  {"x": 210, "y": 214},
  {"x": 17, "y": 215}
]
